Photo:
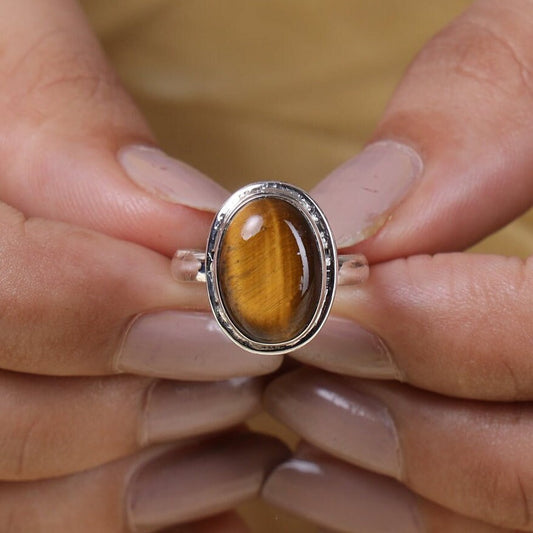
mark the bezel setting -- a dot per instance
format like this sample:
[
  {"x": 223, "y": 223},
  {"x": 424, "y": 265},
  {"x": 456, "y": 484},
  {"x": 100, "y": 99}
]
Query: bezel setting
[{"x": 325, "y": 245}]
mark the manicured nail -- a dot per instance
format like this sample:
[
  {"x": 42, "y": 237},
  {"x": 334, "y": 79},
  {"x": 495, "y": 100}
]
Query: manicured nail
[
  {"x": 229, "y": 522},
  {"x": 346, "y": 348},
  {"x": 338, "y": 418},
  {"x": 171, "y": 179},
  {"x": 177, "y": 409},
  {"x": 342, "y": 497},
  {"x": 358, "y": 196},
  {"x": 187, "y": 484},
  {"x": 186, "y": 345}
]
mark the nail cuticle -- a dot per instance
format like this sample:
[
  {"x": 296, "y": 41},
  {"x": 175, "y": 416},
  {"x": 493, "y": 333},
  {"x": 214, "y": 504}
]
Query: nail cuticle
[
  {"x": 362, "y": 389},
  {"x": 115, "y": 362},
  {"x": 398, "y": 474},
  {"x": 142, "y": 430},
  {"x": 131, "y": 480},
  {"x": 397, "y": 373},
  {"x": 390, "y": 462}
]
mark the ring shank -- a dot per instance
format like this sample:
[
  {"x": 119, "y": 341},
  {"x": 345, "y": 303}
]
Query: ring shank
[{"x": 189, "y": 266}]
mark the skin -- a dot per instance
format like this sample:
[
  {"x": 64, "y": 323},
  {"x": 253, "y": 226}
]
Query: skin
[
  {"x": 83, "y": 250},
  {"x": 458, "y": 326},
  {"x": 65, "y": 116}
]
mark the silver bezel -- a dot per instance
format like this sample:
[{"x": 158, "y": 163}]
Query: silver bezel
[{"x": 325, "y": 244}]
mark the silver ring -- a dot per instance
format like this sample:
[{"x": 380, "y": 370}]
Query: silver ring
[{"x": 271, "y": 267}]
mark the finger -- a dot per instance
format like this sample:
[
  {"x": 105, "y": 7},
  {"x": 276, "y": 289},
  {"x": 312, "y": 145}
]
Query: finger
[
  {"x": 75, "y": 302},
  {"x": 146, "y": 492},
  {"x": 229, "y": 522},
  {"x": 456, "y": 324},
  {"x": 473, "y": 458},
  {"x": 60, "y": 140},
  {"x": 453, "y": 159},
  {"x": 337, "y": 495},
  {"x": 90, "y": 421}
]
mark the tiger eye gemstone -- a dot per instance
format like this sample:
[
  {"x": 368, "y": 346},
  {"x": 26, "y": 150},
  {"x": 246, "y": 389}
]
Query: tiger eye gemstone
[{"x": 269, "y": 271}]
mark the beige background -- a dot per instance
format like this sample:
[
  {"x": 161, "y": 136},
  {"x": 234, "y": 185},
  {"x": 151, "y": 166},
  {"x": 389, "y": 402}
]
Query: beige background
[{"x": 257, "y": 89}]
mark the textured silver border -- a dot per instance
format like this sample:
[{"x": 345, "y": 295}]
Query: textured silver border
[{"x": 325, "y": 244}]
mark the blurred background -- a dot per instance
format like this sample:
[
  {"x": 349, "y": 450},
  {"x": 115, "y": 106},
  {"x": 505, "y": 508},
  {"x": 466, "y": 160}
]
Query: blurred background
[{"x": 264, "y": 89}]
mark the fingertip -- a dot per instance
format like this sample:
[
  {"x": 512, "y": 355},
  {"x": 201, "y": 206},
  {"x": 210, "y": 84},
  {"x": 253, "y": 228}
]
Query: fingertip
[
  {"x": 334, "y": 494},
  {"x": 170, "y": 179},
  {"x": 229, "y": 522},
  {"x": 165, "y": 344},
  {"x": 359, "y": 196},
  {"x": 460, "y": 106}
]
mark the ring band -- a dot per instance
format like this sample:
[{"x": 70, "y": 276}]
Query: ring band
[{"x": 271, "y": 267}]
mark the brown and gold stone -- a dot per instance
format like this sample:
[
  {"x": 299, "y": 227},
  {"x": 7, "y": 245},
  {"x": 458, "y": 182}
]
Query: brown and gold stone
[{"x": 269, "y": 271}]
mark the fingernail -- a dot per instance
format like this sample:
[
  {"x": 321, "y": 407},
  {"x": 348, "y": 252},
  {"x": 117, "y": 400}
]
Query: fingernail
[
  {"x": 338, "y": 418},
  {"x": 346, "y": 348},
  {"x": 358, "y": 196},
  {"x": 342, "y": 497},
  {"x": 187, "y": 484},
  {"x": 186, "y": 345},
  {"x": 171, "y": 179},
  {"x": 229, "y": 522},
  {"x": 182, "y": 409}
]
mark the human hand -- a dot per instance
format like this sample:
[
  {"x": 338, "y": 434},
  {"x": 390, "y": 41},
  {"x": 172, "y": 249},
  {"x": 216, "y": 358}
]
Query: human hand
[
  {"x": 86, "y": 296},
  {"x": 448, "y": 450}
]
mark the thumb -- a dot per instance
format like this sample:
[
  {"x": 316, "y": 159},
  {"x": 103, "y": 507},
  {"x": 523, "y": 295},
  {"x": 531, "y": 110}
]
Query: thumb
[
  {"x": 451, "y": 163},
  {"x": 73, "y": 145},
  {"x": 451, "y": 157}
]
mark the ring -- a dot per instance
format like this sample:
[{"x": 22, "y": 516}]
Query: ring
[{"x": 271, "y": 267}]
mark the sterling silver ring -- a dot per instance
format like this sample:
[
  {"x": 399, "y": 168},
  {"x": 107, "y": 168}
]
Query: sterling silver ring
[{"x": 271, "y": 267}]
